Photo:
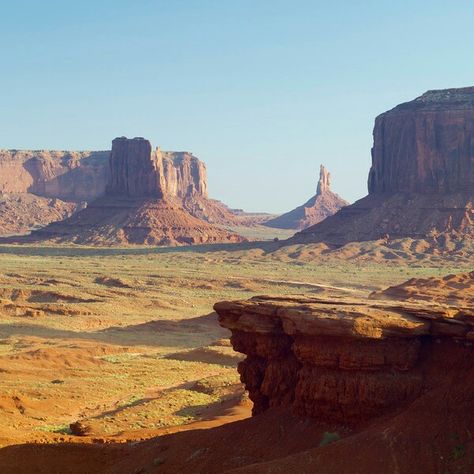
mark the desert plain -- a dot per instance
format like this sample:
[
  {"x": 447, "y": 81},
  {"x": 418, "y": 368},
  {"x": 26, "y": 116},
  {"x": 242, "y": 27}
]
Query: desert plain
[{"x": 118, "y": 344}]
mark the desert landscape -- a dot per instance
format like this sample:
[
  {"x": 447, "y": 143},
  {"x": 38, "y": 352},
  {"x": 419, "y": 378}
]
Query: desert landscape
[
  {"x": 126, "y": 347},
  {"x": 169, "y": 311}
]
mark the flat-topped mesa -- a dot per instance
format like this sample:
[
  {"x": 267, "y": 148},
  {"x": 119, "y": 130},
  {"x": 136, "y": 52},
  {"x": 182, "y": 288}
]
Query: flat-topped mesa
[
  {"x": 139, "y": 206},
  {"x": 425, "y": 145},
  {"x": 421, "y": 183},
  {"x": 133, "y": 170},
  {"x": 85, "y": 175},
  {"x": 324, "y": 183},
  {"x": 344, "y": 361}
]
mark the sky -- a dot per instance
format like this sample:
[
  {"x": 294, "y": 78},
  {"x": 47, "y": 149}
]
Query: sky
[{"x": 263, "y": 91}]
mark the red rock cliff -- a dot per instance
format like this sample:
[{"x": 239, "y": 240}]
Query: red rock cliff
[
  {"x": 82, "y": 175},
  {"x": 340, "y": 360},
  {"x": 426, "y": 145},
  {"x": 134, "y": 171},
  {"x": 421, "y": 183}
]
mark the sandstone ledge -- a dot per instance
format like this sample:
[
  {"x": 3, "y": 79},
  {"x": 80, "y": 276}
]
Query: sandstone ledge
[{"x": 341, "y": 360}]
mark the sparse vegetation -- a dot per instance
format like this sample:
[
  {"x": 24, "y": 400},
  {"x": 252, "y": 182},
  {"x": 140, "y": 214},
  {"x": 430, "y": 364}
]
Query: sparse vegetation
[
  {"x": 125, "y": 338},
  {"x": 329, "y": 438}
]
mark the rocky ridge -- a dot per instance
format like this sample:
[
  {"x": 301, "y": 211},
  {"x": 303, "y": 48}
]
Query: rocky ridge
[
  {"x": 421, "y": 182},
  {"x": 323, "y": 204}
]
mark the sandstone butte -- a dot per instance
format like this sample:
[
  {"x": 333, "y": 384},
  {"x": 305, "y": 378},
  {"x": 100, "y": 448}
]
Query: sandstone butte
[
  {"x": 398, "y": 374},
  {"x": 421, "y": 182},
  {"x": 323, "y": 204},
  {"x": 143, "y": 203},
  {"x": 39, "y": 187}
]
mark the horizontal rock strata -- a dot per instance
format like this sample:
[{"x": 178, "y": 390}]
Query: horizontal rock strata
[
  {"x": 339, "y": 360},
  {"x": 421, "y": 182},
  {"x": 136, "y": 208},
  {"x": 75, "y": 177}
]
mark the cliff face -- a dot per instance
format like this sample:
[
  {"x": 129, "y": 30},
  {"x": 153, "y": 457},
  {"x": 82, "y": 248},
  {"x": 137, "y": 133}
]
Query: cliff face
[
  {"x": 140, "y": 206},
  {"x": 344, "y": 361},
  {"x": 323, "y": 204},
  {"x": 421, "y": 182},
  {"x": 82, "y": 176},
  {"x": 134, "y": 171},
  {"x": 426, "y": 145},
  {"x": 65, "y": 175},
  {"x": 184, "y": 175}
]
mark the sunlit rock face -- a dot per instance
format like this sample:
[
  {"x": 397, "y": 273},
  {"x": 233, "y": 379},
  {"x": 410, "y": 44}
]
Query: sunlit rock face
[
  {"x": 426, "y": 145},
  {"x": 323, "y": 204},
  {"x": 421, "y": 183}
]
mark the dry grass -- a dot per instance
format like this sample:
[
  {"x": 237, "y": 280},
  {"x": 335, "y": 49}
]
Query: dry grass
[{"x": 123, "y": 339}]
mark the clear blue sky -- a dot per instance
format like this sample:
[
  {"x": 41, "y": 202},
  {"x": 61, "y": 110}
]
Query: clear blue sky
[{"x": 263, "y": 91}]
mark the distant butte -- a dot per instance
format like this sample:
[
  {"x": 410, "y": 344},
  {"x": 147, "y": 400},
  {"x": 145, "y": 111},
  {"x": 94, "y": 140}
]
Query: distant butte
[
  {"x": 421, "y": 183},
  {"x": 323, "y": 204},
  {"x": 43, "y": 186},
  {"x": 142, "y": 203}
]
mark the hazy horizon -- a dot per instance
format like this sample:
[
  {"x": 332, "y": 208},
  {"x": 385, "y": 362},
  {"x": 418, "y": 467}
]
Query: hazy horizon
[{"x": 263, "y": 92}]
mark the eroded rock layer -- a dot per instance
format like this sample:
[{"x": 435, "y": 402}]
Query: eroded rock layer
[
  {"x": 76, "y": 177},
  {"x": 133, "y": 221},
  {"x": 323, "y": 204},
  {"x": 421, "y": 182},
  {"x": 136, "y": 208},
  {"x": 19, "y": 212},
  {"x": 339, "y": 360}
]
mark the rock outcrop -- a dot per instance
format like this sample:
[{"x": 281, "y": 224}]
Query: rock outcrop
[
  {"x": 66, "y": 175},
  {"x": 137, "y": 207},
  {"x": 455, "y": 290},
  {"x": 134, "y": 171},
  {"x": 426, "y": 145},
  {"x": 323, "y": 204},
  {"x": 421, "y": 182},
  {"x": 77, "y": 177},
  {"x": 341, "y": 360}
]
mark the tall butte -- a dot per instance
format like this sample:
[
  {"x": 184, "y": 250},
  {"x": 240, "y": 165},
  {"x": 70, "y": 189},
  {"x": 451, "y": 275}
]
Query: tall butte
[
  {"x": 421, "y": 183},
  {"x": 323, "y": 204},
  {"x": 138, "y": 206}
]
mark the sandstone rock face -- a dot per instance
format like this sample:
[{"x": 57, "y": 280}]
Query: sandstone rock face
[
  {"x": 426, "y": 145},
  {"x": 339, "y": 360},
  {"x": 323, "y": 204},
  {"x": 134, "y": 170},
  {"x": 137, "y": 208},
  {"x": 184, "y": 175},
  {"x": 65, "y": 175},
  {"x": 421, "y": 182}
]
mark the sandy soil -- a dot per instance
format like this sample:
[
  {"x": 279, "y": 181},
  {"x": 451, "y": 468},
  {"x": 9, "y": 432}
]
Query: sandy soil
[{"x": 124, "y": 341}]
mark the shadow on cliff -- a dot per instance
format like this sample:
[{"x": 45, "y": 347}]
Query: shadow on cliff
[{"x": 80, "y": 181}]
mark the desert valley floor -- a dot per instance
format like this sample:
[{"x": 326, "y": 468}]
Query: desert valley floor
[{"x": 123, "y": 344}]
